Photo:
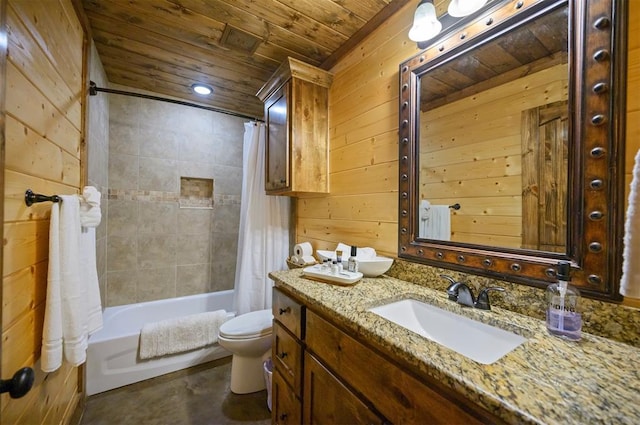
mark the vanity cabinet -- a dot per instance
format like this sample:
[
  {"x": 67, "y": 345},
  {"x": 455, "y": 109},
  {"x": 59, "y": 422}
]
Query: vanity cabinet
[
  {"x": 296, "y": 110},
  {"x": 337, "y": 378}
]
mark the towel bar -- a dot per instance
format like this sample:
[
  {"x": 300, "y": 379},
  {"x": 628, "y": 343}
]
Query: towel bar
[{"x": 31, "y": 198}]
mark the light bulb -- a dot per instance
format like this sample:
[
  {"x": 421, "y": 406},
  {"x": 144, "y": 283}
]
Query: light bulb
[
  {"x": 425, "y": 22},
  {"x": 459, "y": 8},
  {"x": 201, "y": 89}
]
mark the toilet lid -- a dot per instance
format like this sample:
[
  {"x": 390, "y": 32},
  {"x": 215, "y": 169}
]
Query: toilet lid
[{"x": 249, "y": 325}]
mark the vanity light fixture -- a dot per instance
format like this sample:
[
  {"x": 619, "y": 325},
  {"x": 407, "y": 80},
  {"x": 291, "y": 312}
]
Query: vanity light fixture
[
  {"x": 201, "y": 89},
  {"x": 425, "y": 22},
  {"x": 460, "y": 8}
]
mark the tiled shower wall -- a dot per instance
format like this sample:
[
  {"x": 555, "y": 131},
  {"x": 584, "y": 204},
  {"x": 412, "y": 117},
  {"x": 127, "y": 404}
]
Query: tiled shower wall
[{"x": 155, "y": 248}]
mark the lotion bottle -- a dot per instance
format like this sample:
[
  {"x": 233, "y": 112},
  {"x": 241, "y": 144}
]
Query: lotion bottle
[
  {"x": 334, "y": 267},
  {"x": 352, "y": 263},
  {"x": 564, "y": 318}
]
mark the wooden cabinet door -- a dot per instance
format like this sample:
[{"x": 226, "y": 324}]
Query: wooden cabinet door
[
  {"x": 328, "y": 401},
  {"x": 287, "y": 357},
  {"x": 399, "y": 396},
  {"x": 278, "y": 138},
  {"x": 285, "y": 407}
]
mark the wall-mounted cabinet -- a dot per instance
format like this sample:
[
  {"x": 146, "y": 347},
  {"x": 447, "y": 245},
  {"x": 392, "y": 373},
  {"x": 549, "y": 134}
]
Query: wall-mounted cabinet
[{"x": 296, "y": 110}]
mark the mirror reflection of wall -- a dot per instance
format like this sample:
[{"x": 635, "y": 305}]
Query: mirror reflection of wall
[{"x": 493, "y": 138}]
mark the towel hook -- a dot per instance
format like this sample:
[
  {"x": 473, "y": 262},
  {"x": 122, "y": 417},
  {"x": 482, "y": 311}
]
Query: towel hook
[
  {"x": 31, "y": 198},
  {"x": 455, "y": 206}
]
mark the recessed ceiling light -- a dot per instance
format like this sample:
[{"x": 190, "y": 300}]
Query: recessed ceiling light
[{"x": 201, "y": 89}]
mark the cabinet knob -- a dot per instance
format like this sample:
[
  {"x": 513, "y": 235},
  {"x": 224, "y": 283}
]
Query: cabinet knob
[
  {"x": 19, "y": 384},
  {"x": 283, "y": 416},
  {"x": 282, "y": 355},
  {"x": 284, "y": 310}
]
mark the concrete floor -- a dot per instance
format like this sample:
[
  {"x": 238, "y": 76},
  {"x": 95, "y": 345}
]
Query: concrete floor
[{"x": 199, "y": 395}]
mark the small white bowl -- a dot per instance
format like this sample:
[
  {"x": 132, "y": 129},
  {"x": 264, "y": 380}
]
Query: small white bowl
[{"x": 375, "y": 266}]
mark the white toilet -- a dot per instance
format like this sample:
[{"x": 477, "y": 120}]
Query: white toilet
[{"x": 248, "y": 338}]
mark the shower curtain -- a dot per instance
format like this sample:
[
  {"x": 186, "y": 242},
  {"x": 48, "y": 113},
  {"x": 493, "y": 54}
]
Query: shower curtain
[{"x": 263, "y": 239}]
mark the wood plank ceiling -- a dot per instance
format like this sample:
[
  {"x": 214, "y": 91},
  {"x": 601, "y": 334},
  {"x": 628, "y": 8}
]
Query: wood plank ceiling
[
  {"x": 234, "y": 46},
  {"x": 538, "y": 45}
]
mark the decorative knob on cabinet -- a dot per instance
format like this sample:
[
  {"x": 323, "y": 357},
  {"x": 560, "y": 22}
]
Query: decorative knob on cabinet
[{"x": 19, "y": 384}]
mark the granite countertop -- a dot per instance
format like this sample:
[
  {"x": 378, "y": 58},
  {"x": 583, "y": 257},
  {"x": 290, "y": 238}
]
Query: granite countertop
[{"x": 546, "y": 380}]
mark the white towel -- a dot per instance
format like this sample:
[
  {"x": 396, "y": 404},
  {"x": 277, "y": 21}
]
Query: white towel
[
  {"x": 180, "y": 334},
  {"x": 89, "y": 276},
  {"x": 51, "y": 356},
  {"x": 304, "y": 260},
  {"x": 424, "y": 209},
  {"x": 630, "y": 282},
  {"x": 366, "y": 253},
  {"x": 65, "y": 327},
  {"x": 346, "y": 250},
  {"x": 424, "y": 216},
  {"x": 91, "y": 196},
  {"x": 72, "y": 309},
  {"x": 363, "y": 253},
  {"x": 435, "y": 221},
  {"x": 90, "y": 214}
]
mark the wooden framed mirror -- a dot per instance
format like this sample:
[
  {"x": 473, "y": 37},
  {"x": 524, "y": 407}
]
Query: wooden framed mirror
[{"x": 511, "y": 140}]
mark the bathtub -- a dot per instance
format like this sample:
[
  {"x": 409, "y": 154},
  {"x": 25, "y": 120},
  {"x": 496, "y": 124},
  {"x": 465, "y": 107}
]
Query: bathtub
[{"x": 112, "y": 354}]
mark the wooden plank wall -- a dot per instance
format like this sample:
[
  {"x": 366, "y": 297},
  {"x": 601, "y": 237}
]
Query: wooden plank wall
[
  {"x": 363, "y": 122},
  {"x": 43, "y": 152},
  {"x": 482, "y": 170},
  {"x": 362, "y": 207}
]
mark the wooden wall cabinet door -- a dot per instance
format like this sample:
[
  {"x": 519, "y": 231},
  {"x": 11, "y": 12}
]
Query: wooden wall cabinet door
[
  {"x": 296, "y": 106},
  {"x": 277, "y": 144}
]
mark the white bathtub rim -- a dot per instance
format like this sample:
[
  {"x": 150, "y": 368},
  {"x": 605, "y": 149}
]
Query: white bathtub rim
[
  {"x": 109, "y": 314},
  {"x": 112, "y": 357}
]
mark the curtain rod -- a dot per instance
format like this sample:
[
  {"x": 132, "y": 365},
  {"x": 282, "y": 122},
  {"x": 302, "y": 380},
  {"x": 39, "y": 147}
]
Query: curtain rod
[{"x": 93, "y": 90}]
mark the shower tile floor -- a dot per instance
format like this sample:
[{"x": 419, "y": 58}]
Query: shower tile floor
[{"x": 199, "y": 395}]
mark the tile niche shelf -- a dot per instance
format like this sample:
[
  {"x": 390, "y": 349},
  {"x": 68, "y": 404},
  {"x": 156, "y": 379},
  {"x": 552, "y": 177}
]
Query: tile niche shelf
[{"x": 196, "y": 193}]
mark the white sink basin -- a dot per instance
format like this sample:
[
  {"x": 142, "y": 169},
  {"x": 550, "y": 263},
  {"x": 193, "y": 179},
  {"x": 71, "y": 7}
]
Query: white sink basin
[{"x": 475, "y": 340}]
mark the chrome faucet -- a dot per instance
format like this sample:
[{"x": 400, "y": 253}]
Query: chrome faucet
[
  {"x": 482, "y": 302},
  {"x": 455, "y": 290},
  {"x": 462, "y": 294}
]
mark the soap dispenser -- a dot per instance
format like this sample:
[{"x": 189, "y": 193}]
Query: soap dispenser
[{"x": 564, "y": 319}]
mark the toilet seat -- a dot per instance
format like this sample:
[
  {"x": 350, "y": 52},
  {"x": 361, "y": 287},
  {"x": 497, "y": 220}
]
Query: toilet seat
[{"x": 250, "y": 325}]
